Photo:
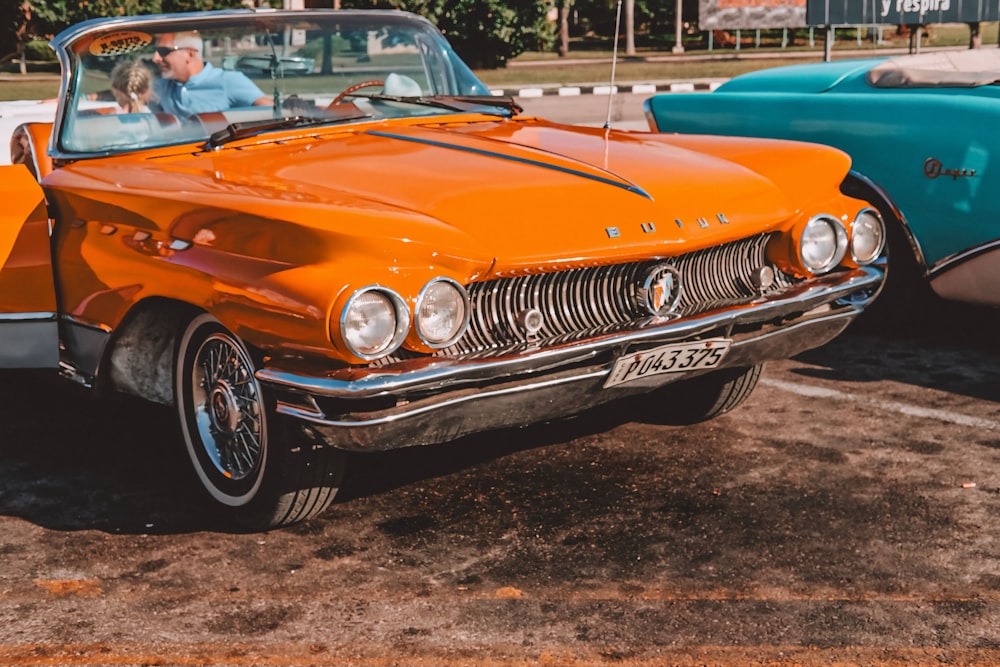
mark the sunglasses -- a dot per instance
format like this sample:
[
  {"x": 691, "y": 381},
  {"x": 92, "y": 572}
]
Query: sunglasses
[{"x": 164, "y": 51}]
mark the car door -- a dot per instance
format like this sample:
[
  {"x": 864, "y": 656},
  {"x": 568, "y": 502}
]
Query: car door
[{"x": 28, "y": 320}]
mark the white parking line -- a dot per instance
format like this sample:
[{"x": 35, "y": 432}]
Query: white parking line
[{"x": 811, "y": 391}]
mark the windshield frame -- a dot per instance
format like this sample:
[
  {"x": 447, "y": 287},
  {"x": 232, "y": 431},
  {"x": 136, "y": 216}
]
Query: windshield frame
[{"x": 450, "y": 75}]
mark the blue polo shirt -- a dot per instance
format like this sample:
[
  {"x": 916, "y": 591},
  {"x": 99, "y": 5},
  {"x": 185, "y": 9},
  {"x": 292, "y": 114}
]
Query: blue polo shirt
[{"x": 211, "y": 89}]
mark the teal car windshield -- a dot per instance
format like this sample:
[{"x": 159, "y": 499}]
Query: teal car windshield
[{"x": 144, "y": 82}]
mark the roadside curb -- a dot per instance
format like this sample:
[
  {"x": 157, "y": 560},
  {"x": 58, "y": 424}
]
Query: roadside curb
[{"x": 638, "y": 88}]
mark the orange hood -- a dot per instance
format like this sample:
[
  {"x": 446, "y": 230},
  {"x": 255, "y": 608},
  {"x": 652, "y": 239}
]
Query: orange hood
[{"x": 515, "y": 194}]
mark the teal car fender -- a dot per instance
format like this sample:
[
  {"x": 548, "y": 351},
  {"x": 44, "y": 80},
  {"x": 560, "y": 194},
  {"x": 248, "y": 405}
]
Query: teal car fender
[{"x": 923, "y": 154}]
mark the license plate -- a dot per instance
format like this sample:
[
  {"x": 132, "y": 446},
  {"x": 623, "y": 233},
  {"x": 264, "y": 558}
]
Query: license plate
[{"x": 674, "y": 358}]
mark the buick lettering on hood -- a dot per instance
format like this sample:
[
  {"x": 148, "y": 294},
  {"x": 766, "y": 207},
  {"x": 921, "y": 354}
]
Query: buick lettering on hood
[{"x": 351, "y": 245}]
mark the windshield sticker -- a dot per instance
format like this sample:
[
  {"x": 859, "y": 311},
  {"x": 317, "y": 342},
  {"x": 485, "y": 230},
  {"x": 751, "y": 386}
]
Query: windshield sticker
[{"x": 117, "y": 43}]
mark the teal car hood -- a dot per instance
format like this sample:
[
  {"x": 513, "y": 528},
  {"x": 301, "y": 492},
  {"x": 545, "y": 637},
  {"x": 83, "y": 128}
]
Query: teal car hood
[{"x": 805, "y": 78}]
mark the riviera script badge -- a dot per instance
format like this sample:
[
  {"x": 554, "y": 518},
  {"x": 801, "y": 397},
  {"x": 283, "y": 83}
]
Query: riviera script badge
[{"x": 933, "y": 169}]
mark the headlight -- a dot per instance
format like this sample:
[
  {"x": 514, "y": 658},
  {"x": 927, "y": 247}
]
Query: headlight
[
  {"x": 442, "y": 313},
  {"x": 867, "y": 237},
  {"x": 823, "y": 244},
  {"x": 374, "y": 322}
]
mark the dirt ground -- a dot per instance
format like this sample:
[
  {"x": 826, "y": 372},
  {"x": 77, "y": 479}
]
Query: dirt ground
[{"x": 847, "y": 514}]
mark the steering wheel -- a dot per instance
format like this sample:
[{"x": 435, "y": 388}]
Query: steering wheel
[{"x": 350, "y": 89}]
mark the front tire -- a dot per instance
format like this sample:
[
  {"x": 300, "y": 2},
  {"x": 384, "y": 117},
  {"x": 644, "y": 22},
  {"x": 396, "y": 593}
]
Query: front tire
[
  {"x": 702, "y": 398},
  {"x": 258, "y": 474}
]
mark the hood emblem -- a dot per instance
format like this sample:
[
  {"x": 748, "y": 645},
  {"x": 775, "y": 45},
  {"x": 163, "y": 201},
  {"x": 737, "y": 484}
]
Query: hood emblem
[
  {"x": 660, "y": 290},
  {"x": 650, "y": 227},
  {"x": 703, "y": 222}
]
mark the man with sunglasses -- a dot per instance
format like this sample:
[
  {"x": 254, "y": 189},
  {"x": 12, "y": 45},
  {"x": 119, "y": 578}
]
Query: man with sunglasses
[{"x": 190, "y": 85}]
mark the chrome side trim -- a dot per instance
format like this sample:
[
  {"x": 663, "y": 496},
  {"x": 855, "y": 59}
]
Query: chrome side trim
[
  {"x": 33, "y": 317},
  {"x": 77, "y": 322},
  {"x": 83, "y": 346},
  {"x": 432, "y": 373}
]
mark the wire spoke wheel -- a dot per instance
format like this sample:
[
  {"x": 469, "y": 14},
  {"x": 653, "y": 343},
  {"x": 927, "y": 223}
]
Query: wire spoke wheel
[
  {"x": 228, "y": 407},
  {"x": 258, "y": 470},
  {"x": 222, "y": 412}
]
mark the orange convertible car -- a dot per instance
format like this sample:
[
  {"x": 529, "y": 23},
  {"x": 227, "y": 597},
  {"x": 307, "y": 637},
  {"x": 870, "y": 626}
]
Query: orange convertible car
[{"x": 317, "y": 232}]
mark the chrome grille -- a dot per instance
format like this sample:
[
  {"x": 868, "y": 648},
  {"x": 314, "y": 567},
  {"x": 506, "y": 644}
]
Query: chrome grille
[
  {"x": 590, "y": 298},
  {"x": 574, "y": 300},
  {"x": 580, "y": 302}
]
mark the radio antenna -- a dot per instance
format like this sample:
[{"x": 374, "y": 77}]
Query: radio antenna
[{"x": 614, "y": 64}]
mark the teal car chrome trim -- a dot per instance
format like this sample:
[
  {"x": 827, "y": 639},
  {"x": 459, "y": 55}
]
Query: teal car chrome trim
[{"x": 949, "y": 263}]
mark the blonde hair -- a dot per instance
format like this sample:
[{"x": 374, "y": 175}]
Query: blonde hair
[{"x": 136, "y": 81}]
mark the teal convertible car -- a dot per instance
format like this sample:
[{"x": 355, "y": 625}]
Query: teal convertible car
[{"x": 922, "y": 131}]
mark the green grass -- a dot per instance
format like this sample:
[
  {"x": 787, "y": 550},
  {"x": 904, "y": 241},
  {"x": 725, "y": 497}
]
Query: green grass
[{"x": 28, "y": 90}]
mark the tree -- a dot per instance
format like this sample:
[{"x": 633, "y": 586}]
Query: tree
[
  {"x": 564, "y": 9},
  {"x": 487, "y": 33},
  {"x": 25, "y": 20},
  {"x": 630, "y": 27},
  {"x": 20, "y": 25}
]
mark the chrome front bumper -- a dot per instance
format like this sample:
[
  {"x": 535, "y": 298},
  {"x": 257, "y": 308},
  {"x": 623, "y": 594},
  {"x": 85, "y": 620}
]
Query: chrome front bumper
[{"x": 431, "y": 400}]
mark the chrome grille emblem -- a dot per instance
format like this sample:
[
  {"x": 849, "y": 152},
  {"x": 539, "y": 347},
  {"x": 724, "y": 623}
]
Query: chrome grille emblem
[{"x": 660, "y": 290}]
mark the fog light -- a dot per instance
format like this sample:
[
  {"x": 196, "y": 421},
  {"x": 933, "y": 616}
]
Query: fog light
[
  {"x": 762, "y": 278},
  {"x": 531, "y": 321}
]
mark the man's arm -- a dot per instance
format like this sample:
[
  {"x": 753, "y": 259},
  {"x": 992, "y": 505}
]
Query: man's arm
[{"x": 243, "y": 92}]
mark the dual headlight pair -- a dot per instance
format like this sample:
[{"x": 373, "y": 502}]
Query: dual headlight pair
[
  {"x": 825, "y": 242},
  {"x": 376, "y": 320}
]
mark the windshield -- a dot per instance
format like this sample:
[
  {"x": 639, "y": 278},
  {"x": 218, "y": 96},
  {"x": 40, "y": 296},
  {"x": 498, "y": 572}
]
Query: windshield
[{"x": 153, "y": 81}]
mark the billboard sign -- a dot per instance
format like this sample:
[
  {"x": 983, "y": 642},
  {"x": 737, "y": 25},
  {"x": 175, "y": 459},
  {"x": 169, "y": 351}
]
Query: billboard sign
[
  {"x": 900, "y": 12},
  {"x": 751, "y": 14}
]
